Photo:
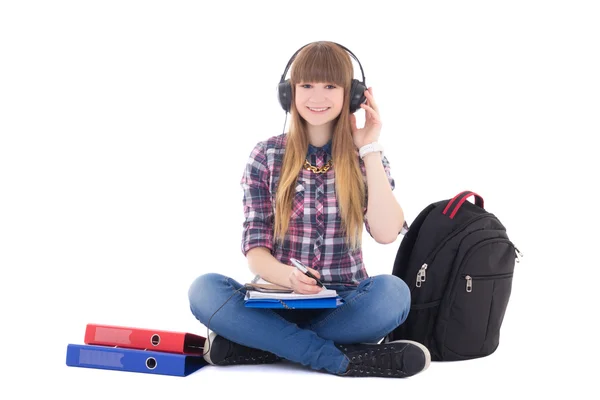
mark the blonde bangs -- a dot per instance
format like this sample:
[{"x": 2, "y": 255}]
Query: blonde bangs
[{"x": 321, "y": 63}]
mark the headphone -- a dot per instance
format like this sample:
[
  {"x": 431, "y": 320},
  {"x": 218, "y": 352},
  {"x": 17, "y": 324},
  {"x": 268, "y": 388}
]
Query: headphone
[{"x": 357, "y": 89}]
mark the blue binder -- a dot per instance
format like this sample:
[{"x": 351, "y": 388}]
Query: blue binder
[
  {"x": 133, "y": 360},
  {"x": 328, "y": 302}
]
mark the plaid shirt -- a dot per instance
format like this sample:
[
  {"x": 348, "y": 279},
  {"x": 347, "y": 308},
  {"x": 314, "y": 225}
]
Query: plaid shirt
[{"x": 314, "y": 236}]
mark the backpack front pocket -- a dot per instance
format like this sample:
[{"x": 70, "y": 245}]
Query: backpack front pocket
[{"x": 476, "y": 314}]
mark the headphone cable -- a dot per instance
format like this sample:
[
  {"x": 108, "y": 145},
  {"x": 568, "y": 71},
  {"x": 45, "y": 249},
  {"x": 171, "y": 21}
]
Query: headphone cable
[{"x": 286, "y": 114}]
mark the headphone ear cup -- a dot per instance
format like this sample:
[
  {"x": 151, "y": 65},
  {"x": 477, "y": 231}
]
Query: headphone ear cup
[
  {"x": 357, "y": 96},
  {"x": 285, "y": 95}
]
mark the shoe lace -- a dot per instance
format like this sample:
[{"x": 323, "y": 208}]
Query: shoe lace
[{"x": 381, "y": 360}]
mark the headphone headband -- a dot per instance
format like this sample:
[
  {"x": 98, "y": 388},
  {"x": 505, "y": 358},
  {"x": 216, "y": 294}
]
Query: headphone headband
[{"x": 297, "y": 51}]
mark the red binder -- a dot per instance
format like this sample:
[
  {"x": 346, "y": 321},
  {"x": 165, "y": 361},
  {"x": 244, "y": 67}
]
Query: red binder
[{"x": 144, "y": 339}]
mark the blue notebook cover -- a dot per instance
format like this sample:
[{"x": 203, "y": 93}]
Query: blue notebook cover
[
  {"x": 328, "y": 302},
  {"x": 133, "y": 360}
]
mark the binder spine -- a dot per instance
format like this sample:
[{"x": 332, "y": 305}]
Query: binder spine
[
  {"x": 135, "y": 338},
  {"x": 132, "y": 360}
]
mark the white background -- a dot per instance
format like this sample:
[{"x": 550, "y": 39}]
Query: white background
[{"x": 125, "y": 127}]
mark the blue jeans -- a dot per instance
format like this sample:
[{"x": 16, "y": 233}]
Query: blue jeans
[{"x": 372, "y": 310}]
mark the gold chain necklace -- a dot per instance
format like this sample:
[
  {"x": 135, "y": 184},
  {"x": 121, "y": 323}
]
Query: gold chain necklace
[{"x": 318, "y": 170}]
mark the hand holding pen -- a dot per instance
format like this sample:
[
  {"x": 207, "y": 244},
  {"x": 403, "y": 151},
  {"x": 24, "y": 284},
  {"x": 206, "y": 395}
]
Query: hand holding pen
[{"x": 305, "y": 280}]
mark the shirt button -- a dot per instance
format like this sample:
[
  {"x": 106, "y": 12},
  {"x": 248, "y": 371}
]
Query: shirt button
[{"x": 318, "y": 242}]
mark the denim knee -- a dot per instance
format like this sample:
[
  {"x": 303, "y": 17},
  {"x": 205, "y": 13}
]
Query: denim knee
[
  {"x": 396, "y": 294},
  {"x": 202, "y": 292}
]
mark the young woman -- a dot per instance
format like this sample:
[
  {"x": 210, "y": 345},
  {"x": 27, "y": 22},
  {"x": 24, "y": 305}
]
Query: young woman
[{"x": 307, "y": 194}]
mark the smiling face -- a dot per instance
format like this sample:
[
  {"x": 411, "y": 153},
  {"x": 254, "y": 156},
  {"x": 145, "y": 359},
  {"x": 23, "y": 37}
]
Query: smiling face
[{"x": 319, "y": 103}]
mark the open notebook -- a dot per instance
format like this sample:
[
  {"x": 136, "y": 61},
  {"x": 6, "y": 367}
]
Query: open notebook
[{"x": 326, "y": 298}]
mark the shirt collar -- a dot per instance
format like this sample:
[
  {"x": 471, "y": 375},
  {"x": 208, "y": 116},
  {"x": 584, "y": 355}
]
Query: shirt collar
[{"x": 326, "y": 148}]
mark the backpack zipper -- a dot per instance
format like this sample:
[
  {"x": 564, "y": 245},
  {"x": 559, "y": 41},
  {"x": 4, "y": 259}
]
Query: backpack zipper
[
  {"x": 421, "y": 274},
  {"x": 519, "y": 254},
  {"x": 470, "y": 279}
]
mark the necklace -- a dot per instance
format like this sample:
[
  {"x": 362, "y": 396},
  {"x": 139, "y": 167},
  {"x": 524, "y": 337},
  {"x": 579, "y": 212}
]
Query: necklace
[{"x": 318, "y": 170}]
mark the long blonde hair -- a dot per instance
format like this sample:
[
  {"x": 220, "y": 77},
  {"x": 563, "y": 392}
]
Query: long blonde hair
[{"x": 323, "y": 62}]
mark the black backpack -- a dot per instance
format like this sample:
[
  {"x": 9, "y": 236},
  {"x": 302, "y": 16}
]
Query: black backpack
[{"x": 458, "y": 262}]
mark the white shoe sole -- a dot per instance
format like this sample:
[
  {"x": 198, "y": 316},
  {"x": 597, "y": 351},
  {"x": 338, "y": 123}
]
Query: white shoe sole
[{"x": 209, "y": 340}]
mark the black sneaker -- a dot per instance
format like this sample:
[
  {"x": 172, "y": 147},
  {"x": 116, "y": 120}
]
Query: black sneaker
[
  {"x": 397, "y": 359},
  {"x": 225, "y": 352}
]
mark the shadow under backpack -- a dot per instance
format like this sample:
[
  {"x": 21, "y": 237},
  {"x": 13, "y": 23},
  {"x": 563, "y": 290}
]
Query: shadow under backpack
[{"x": 458, "y": 263}]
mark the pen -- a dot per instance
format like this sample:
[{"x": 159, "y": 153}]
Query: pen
[{"x": 305, "y": 271}]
